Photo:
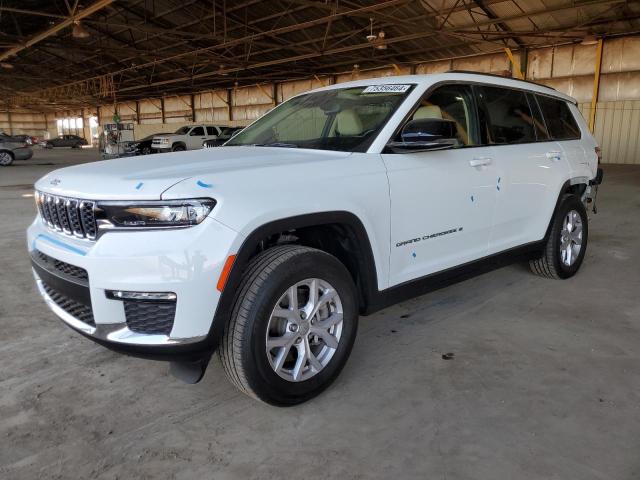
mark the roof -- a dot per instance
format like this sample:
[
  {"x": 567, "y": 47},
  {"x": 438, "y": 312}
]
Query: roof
[{"x": 471, "y": 77}]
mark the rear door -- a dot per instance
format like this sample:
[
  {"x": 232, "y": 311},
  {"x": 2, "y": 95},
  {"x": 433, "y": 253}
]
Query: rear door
[
  {"x": 529, "y": 166},
  {"x": 564, "y": 129},
  {"x": 442, "y": 201}
]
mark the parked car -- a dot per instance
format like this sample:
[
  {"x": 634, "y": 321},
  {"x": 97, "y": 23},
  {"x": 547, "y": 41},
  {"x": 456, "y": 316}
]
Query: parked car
[
  {"x": 12, "y": 149},
  {"x": 143, "y": 146},
  {"x": 226, "y": 134},
  {"x": 73, "y": 141},
  {"x": 189, "y": 137},
  {"x": 336, "y": 203},
  {"x": 28, "y": 139}
]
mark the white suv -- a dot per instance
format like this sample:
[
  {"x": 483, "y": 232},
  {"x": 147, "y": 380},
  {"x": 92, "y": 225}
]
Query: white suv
[
  {"x": 189, "y": 137},
  {"x": 336, "y": 203}
]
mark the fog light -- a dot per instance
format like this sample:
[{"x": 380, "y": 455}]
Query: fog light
[{"x": 141, "y": 296}]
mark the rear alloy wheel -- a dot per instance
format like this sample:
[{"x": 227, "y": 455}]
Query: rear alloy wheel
[
  {"x": 6, "y": 159},
  {"x": 567, "y": 242},
  {"x": 292, "y": 327}
]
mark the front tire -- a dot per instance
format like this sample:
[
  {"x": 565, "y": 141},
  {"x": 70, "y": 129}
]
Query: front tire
[
  {"x": 6, "y": 159},
  {"x": 292, "y": 326},
  {"x": 178, "y": 148},
  {"x": 567, "y": 243}
]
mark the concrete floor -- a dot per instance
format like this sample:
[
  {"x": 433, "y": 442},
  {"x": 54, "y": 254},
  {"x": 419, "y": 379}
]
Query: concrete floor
[{"x": 545, "y": 382}]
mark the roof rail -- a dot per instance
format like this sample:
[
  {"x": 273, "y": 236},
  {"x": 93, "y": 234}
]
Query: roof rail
[{"x": 500, "y": 76}]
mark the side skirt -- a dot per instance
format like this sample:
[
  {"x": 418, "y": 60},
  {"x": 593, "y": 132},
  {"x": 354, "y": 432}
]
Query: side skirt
[{"x": 444, "y": 278}]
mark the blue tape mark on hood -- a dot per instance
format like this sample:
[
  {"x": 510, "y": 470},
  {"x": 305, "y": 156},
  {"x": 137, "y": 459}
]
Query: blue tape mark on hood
[
  {"x": 59, "y": 244},
  {"x": 200, "y": 183}
]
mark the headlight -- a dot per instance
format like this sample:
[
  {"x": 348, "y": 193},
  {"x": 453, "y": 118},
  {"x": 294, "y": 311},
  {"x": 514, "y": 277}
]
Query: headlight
[
  {"x": 164, "y": 140},
  {"x": 153, "y": 214}
]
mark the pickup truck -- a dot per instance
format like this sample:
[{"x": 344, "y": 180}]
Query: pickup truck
[{"x": 189, "y": 137}]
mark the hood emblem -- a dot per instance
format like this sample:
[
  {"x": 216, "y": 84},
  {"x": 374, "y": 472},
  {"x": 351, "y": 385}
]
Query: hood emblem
[{"x": 55, "y": 181}]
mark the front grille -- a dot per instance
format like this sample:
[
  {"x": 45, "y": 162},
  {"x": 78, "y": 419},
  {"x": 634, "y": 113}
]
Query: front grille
[
  {"x": 60, "y": 266},
  {"x": 76, "y": 309},
  {"x": 68, "y": 215},
  {"x": 150, "y": 317}
]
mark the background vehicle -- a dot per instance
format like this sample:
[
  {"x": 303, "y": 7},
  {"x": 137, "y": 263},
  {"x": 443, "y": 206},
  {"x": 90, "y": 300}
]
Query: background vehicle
[
  {"x": 28, "y": 139},
  {"x": 142, "y": 146},
  {"x": 189, "y": 137},
  {"x": 13, "y": 149},
  {"x": 73, "y": 141},
  {"x": 336, "y": 203},
  {"x": 226, "y": 134}
]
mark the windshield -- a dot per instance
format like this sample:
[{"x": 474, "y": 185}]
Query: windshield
[
  {"x": 345, "y": 119},
  {"x": 182, "y": 131}
]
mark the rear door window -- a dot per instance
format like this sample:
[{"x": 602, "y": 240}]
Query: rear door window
[
  {"x": 559, "y": 119},
  {"x": 539, "y": 124},
  {"x": 510, "y": 118},
  {"x": 212, "y": 131}
]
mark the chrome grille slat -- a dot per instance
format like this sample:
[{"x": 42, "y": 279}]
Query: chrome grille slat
[{"x": 70, "y": 216}]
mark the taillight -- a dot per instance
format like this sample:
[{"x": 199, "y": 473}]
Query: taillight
[{"x": 599, "y": 154}]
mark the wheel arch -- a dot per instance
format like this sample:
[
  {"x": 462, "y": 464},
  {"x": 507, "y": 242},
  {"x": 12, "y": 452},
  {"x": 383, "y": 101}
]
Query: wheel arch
[
  {"x": 309, "y": 230},
  {"x": 573, "y": 185},
  {"x": 179, "y": 143}
]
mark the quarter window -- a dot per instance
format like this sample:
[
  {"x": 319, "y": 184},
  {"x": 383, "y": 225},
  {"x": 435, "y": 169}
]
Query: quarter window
[
  {"x": 510, "y": 118},
  {"x": 559, "y": 119}
]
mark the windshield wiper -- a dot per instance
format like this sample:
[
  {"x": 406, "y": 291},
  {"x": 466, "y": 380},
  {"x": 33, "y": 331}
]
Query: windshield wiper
[{"x": 275, "y": 144}]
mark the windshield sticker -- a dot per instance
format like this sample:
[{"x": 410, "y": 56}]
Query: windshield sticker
[{"x": 386, "y": 89}]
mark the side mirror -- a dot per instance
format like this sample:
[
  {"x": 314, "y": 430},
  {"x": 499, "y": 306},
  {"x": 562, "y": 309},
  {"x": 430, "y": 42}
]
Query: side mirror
[{"x": 426, "y": 134}]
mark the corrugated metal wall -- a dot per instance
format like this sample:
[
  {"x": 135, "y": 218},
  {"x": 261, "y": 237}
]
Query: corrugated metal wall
[{"x": 568, "y": 68}]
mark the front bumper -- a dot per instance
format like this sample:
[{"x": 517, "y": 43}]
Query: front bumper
[{"x": 187, "y": 262}]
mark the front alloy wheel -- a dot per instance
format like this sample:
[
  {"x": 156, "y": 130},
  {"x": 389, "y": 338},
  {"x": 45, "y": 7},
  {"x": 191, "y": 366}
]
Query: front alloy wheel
[
  {"x": 292, "y": 327},
  {"x": 6, "y": 159},
  {"x": 304, "y": 330}
]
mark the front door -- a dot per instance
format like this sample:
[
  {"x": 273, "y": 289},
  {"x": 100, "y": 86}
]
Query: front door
[
  {"x": 195, "y": 138},
  {"x": 442, "y": 201}
]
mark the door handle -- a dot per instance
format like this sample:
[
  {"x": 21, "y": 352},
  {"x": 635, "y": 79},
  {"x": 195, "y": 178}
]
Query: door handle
[
  {"x": 480, "y": 161},
  {"x": 555, "y": 155}
]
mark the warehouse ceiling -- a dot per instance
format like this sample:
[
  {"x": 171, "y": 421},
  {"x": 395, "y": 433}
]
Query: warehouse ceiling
[{"x": 66, "y": 52}]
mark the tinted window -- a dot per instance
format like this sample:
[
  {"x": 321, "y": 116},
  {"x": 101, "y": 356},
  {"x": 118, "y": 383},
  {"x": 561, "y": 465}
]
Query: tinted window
[
  {"x": 197, "y": 131},
  {"x": 212, "y": 131},
  {"x": 510, "y": 118},
  {"x": 538, "y": 120},
  {"x": 453, "y": 103},
  {"x": 559, "y": 119}
]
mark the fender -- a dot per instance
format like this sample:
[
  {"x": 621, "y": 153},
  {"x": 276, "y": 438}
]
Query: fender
[{"x": 366, "y": 282}]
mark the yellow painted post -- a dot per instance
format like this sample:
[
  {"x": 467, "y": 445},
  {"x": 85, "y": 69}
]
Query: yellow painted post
[
  {"x": 516, "y": 66},
  {"x": 596, "y": 87}
]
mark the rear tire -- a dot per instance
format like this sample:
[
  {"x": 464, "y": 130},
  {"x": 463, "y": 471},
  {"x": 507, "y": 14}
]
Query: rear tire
[
  {"x": 567, "y": 243},
  {"x": 6, "y": 159},
  {"x": 271, "y": 350}
]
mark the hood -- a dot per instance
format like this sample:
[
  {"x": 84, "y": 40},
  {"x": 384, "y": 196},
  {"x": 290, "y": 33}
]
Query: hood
[{"x": 147, "y": 177}]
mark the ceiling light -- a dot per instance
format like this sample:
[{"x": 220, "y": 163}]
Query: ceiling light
[
  {"x": 6, "y": 65},
  {"x": 79, "y": 31},
  {"x": 589, "y": 40}
]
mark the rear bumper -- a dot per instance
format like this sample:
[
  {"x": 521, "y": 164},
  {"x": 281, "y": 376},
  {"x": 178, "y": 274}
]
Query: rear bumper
[{"x": 597, "y": 180}]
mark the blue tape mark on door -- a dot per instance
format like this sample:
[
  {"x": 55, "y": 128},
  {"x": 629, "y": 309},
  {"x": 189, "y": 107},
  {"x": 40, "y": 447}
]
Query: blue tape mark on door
[
  {"x": 59, "y": 244},
  {"x": 139, "y": 186},
  {"x": 200, "y": 183}
]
